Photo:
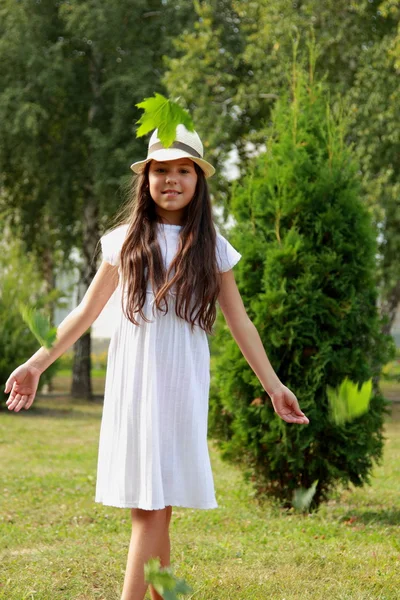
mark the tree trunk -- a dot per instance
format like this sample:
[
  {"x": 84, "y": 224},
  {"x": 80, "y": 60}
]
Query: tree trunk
[
  {"x": 49, "y": 279},
  {"x": 81, "y": 378},
  {"x": 389, "y": 307},
  {"x": 81, "y": 372}
]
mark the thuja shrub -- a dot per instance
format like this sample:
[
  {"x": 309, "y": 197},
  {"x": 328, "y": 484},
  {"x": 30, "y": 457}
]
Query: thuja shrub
[{"x": 307, "y": 278}]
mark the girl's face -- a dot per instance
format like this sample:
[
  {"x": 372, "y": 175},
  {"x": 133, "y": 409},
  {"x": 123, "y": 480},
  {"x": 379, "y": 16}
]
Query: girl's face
[{"x": 178, "y": 176}]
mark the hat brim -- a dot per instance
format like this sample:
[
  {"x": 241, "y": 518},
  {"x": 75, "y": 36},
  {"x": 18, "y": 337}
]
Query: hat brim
[{"x": 172, "y": 154}]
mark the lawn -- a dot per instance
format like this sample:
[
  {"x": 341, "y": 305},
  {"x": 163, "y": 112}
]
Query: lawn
[{"x": 57, "y": 543}]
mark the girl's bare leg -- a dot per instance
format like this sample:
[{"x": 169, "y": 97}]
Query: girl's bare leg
[
  {"x": 150, "y": 538},
  {"x": 165, "y": 554}
]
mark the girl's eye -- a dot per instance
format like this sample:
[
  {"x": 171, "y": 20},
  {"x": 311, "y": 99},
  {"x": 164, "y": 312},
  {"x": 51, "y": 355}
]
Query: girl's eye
[{"x": 161, "y": 169}]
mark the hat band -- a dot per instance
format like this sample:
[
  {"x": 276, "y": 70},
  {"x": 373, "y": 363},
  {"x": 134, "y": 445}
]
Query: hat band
[{"x": 178, "y": 145}]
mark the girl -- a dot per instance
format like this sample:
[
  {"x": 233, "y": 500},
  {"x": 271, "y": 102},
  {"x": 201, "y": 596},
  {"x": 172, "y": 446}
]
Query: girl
[{"x": 169, "y": 267}]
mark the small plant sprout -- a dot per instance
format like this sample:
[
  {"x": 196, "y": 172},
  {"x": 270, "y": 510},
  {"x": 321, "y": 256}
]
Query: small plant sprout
[
  {"x": 39, "y": 324},
  {"x": 164, "y": 581},
  {"x": 302, "y": 497},
  {"x": 348, "y": 402}
]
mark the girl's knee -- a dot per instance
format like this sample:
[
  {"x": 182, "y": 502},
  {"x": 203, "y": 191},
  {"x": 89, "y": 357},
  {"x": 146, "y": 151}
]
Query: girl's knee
[{"x": 139, "y": 515}]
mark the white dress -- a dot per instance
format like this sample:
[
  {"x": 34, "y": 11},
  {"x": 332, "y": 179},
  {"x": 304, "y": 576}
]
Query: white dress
[{"x": 153, "y": 439}]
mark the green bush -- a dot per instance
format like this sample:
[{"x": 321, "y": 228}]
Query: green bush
[
  {"x": 99, "y": 361},
  {"x": 19, "y": 282},
  {"x": 307, "y": 278},
  {"x": 66, "y": 361}
]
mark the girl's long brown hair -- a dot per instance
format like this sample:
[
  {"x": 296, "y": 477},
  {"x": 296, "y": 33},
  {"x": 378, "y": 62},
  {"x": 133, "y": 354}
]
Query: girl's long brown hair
[{"x": 193, "y": 271}]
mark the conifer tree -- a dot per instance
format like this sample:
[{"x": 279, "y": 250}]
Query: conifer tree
[{"x": 308, "y": 281}]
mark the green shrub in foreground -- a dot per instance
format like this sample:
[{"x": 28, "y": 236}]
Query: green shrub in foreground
[{"x": 307, "y": 278}]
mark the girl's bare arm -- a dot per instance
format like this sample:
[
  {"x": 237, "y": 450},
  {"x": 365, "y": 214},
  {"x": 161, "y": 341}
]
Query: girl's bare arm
[
  {"x": 81, "y": 318},
  {"x": 248, "y": 339},
  {"x": 245, "y": 332}
]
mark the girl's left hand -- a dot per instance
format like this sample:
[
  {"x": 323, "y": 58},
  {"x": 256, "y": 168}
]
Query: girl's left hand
[{"x": 286, "y": 405}]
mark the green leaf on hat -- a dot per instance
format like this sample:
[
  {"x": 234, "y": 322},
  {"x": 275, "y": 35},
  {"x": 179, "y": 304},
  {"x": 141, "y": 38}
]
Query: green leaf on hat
[
  {"x": 164, "y": 115},
  {"x": 348, "y": 402},
  {"x": 39, "y": 325}
]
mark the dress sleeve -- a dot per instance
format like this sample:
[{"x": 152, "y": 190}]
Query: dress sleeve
[
  {"x": 227, "y": 256},
  {"x": 111, "y": 244}
]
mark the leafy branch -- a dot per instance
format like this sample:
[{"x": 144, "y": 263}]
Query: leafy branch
[{"x": 163, "y": 580}]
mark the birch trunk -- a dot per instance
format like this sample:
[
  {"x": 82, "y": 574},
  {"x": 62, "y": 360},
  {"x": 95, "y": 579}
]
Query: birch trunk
[
  {"x": 81, "y": 377},
  {"x": 81, "y": 372}
]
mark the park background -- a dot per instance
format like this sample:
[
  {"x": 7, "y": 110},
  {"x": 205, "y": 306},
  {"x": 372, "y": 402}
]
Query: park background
[{"x": 71, "y": 76}]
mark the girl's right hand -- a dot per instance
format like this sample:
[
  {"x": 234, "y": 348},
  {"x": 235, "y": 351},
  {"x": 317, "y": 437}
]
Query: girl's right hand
[{"x": 22, "y": 383}]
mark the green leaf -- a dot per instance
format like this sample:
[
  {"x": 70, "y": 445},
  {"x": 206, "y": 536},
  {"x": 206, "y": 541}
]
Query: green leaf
[
  {"x": 39, "y": 325},
  {"x": 302, "y": 497},
  {"x": 164, "y": 581},
  {"x": 182, "y": 587},
  {"x": 348, "y": 402},
  {"x": 164, "y": 115}
]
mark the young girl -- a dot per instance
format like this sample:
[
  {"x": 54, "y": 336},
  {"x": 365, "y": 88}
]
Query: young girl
[{"x": 169, "y": 267}]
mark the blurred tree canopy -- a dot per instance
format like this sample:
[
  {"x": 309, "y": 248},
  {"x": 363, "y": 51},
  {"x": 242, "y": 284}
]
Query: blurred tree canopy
[
  {"x": 231, "y": 70},
  {"x": 71, "y": 75}
]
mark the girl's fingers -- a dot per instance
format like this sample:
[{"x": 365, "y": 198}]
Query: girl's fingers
[
  {"x": 296, "y": 420},
  {"x": 300, "y": 414},
  {"x": 18, "y": 401},
  {"x": 21, "y": 403},
  {"x": 30, "y": 401},
  {"x": 14, "y": 401},
  {"x": 293, "y": 418},
  {"x": 11, "y": 396},
  {"x": 17, "y": 398},
  {"x": 9, "y": 383},
  {"x": 297, "y": 411}
]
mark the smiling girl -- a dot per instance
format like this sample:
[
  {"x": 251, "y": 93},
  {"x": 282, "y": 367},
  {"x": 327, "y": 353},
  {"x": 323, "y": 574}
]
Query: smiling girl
[{"x": 169, "y": 267}]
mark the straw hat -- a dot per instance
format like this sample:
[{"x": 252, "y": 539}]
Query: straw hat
[{"x": 187, "y": 144}]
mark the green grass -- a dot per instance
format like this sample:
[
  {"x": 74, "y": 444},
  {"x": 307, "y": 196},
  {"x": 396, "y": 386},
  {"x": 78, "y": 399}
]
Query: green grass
[
  {"x": 94, "y": 372},
  {"x": 391, "y": 390},
  {"x": 57, "y": 543}
]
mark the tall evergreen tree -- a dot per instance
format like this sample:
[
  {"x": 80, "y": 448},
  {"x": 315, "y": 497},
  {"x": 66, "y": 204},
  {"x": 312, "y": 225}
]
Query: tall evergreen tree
[{"x": 308, "y": 282}]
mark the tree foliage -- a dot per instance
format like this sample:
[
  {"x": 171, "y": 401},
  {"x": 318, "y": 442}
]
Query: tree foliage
[
  {"x": 71, "y": 75},
  {"x": 234, "y": 60}
]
